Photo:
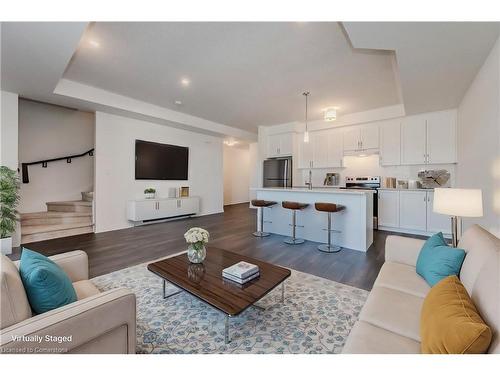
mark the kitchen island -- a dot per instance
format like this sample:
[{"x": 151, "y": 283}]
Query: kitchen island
[{"x": 355, "y": 222}]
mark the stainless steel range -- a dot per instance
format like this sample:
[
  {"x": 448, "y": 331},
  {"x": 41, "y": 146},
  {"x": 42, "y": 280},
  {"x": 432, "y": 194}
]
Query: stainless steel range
[{"x": 366, "y": 183}]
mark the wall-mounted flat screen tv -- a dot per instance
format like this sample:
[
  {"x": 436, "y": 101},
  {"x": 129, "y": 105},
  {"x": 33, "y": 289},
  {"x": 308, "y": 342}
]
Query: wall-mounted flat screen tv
[{"x": 158, "y": 161}]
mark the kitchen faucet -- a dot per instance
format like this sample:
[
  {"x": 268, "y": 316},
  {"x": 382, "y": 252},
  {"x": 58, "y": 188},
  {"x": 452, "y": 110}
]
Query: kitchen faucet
[{"x": 309, "y": 183}]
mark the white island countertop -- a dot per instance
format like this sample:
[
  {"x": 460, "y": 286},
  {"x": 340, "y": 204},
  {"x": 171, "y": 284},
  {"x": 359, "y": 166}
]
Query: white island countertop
[{"x": 321, "y": 190}]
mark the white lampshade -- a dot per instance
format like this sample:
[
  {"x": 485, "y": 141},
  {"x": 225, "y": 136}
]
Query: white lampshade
[
  {"x": 331, "y": 114},
  {"x": 458, "y": 202}
]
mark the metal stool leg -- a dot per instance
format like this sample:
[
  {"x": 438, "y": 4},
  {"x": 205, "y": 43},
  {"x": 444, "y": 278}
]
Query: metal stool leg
[
  {"x": 293, "y": 240},
  {"x": 260, "y": 231},
  {"x": 329, "y": 248}
]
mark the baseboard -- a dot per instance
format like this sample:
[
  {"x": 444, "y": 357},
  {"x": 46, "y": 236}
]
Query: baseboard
[{"x": 410, "y": 231}]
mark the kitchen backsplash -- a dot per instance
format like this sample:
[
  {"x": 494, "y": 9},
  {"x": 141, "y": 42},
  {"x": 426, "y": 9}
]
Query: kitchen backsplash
[{"x": 369, "y": 166}]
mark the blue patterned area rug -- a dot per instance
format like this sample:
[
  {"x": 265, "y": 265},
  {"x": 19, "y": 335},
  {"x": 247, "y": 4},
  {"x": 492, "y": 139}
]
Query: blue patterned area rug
[{"x": 316, "y": 317}]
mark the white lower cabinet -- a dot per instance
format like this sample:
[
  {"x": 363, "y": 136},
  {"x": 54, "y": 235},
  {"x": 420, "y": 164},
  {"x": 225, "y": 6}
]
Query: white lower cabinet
[
  {"x": 413, "y": 210},
  {"x": 410, "y": 211},
  {"x": 436, "y": 222},
  {"x": 388, "y": 208},
  {"x": 153, "y": 209}
]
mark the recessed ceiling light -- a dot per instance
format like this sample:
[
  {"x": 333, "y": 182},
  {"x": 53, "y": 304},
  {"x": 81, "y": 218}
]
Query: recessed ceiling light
[
  {"x": 185, "y": 82},
  {"x": 177, "y": 102},
  {"x": 94, "y": 43}
]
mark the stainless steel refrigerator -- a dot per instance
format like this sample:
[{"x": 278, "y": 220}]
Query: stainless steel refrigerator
[{"x": 278, "y": 172}]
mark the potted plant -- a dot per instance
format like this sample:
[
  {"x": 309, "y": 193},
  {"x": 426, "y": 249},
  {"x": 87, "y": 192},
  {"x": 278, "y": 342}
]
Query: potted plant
[
  {"x": 196, "y": 238},
  {"x": 9, "y": 199},
  {"x": 150, "y": 193}
]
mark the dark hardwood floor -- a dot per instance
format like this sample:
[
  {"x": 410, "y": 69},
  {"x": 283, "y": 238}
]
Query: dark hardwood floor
[{"x": 232, "y": 230}]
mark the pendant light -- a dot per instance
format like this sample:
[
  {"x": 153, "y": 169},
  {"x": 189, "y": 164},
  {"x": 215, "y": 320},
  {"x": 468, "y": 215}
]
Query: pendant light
[{"x": 306, "y": 133}]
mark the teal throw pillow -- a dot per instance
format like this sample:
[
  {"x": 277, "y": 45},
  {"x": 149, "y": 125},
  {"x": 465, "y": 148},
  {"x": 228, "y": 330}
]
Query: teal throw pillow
[
  {"x": 47, "y": 285},
  {"x": 437, "y": 260}
]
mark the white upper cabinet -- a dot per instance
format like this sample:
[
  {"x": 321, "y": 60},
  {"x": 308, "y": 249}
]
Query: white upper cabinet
[
  {"x": 273, "y": 145},
  {"x": 413, "y": 140},
  {"x": 286, "y": 144},
  {"x": 436, "y": 222},
  {"x": 279, "y": 145},
  {"x": 320, "y": 147},
  {"x": 324, "y": 150},
  {"x": 335, "y": 149},
  {"x": 413, "y": 210},
  {"x": 441, "y": 137},
  {"x": 369, "y": 137},
  {"x": 360, "y": 138},
  {"x": 388, "y": 208},
  {"x": 305, "y": 153},
  {"x": 429, "y": 138},
  {"x": 390, "y": 143},
  {"x": 352, "y": 139}
]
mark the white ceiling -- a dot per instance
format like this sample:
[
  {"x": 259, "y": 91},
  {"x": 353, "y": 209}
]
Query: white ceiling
[
  {"x": 242, "y": 74},
  {"x": 437, "y": 61}
]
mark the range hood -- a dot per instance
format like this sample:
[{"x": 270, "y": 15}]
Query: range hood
[{"x": 362, "y": 153}]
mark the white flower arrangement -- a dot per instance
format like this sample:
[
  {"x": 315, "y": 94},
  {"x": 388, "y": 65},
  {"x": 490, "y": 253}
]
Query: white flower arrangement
[{"x": 197, "y": 236}]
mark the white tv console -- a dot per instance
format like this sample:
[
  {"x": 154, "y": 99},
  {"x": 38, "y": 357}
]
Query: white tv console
[{"x": 144, "y": 211}]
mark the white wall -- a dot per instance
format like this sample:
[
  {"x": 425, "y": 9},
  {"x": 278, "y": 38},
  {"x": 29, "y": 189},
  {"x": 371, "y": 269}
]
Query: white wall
[
  {"x": 48, "y": 131},
  {"x": 237, "y": 173},
  {"x": 255, "y": 181},
  {"x": 479, "y": 140},
  {"x": 114, "y": 167},
  {"x": 9, "y": 140},
  {"x": 9, "y": 130}
]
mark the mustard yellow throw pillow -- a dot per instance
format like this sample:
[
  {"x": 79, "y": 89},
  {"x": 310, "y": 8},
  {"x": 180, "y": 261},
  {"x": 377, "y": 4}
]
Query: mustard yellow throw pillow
[{"x": 450, "y": 323}]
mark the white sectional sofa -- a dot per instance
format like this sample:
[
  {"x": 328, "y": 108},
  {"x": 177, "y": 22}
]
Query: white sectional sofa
[{"x": 390, "y": 320}]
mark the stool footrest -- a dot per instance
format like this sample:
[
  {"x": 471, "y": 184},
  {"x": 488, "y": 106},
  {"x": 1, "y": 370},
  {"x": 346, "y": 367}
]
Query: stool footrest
[{"x": 332, "y": 230}]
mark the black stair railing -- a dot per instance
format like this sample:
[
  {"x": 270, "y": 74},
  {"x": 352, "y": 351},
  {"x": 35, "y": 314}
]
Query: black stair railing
[{"x": 44, "y": 163}]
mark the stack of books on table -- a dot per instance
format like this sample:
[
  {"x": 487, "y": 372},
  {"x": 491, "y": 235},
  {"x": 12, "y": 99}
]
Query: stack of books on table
[{"x": 241, "y": 272}]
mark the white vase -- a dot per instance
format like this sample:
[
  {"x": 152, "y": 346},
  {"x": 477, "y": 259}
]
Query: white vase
[
  {"x": 150, "y": 195},
  {"x": 6, "y": 245},
  {"x": 196, "y": 255}
]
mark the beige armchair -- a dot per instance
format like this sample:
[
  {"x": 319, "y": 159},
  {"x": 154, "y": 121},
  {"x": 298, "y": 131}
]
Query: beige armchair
[{"x": 96, "y": 323}]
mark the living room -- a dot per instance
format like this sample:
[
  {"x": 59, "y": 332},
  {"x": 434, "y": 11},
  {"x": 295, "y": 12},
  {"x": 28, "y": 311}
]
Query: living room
[{"x": 311, "y": 186}]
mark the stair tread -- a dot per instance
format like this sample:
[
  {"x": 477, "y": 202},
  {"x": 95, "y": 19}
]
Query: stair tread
[
  {"x": 71, "y": 203},
  {"x": 36, "y": 237},
  {"x": 31, "y": 229},
  {"x": 42, "y": 214}
]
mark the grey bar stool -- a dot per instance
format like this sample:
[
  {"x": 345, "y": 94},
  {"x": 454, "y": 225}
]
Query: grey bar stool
[
  {"x": 329, "y": 208},
  {"x": 294, "y": 206},
  {"x": 261, "y": 204}
]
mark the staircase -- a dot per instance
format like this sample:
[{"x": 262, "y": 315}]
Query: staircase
[{"x": 62, "y": 219}]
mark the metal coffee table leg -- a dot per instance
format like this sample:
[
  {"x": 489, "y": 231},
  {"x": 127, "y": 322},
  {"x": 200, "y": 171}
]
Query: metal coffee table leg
[
  {"x": 226, "y": 333},
  {"x": 171, "y": 294},
  {"x": 283, "y": 292}
]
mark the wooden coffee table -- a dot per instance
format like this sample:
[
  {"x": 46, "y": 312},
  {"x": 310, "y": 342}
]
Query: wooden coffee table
[{"x": 205, "y": 281}]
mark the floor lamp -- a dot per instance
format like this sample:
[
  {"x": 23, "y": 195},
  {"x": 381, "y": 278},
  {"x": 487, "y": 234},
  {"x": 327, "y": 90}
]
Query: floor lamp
[{"x": 458, "y": 203}]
